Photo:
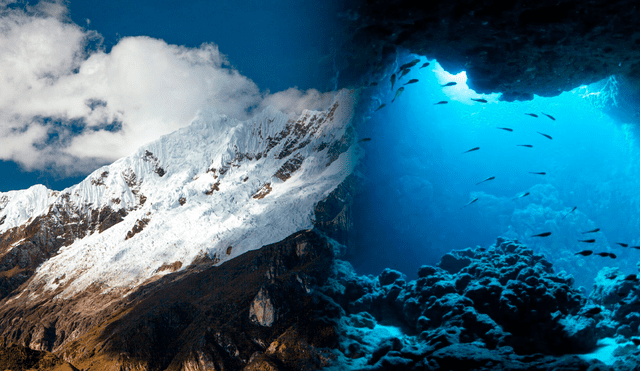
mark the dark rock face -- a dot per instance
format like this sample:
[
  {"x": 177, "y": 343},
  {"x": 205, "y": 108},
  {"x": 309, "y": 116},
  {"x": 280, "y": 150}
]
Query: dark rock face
[
  {"x": 198, "y": 318},
  {"x": 519, "y": 48}
]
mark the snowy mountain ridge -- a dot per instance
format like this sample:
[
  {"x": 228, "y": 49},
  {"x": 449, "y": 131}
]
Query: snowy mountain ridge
[{"x": 212, "y": 190}]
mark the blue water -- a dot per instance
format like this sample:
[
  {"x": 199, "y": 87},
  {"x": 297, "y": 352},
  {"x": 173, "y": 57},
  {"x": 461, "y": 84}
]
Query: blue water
[{"x": 409, "y": 211}]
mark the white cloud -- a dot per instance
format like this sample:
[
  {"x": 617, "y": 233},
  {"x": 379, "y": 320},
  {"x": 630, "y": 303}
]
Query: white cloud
[{"x": 149, "y": 87}]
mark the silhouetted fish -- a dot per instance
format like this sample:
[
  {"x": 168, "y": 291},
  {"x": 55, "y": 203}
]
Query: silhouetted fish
[
  {"x": 635, "y": 247},
  {"x": 531, "y": 114},
  {"x": 605, "y": 254},
  {"x": 572, "y": 210},
  {"x": 588, "y": 241},
  {"x": 523, "y": 195},
  {"x": 539, "y": 173},
  {"x": 472, "y": 149},
  {"x": 469, "y": 203},
  {"x": 424, "y": 65},
  {"x": 397, "y": 94},
  {"x": 549, "y": 116},
  {"x": 612, "y": 255},
  {"x": 592, "y": 231},
  {"x": 412, "y": 81},
  {"x": 441, "y": 102},
  {"x": 381, "y": 106},
  {"x": 585, "y": 252},
  {"x": 479, "y": 100},
  {"x": 546, "y": 135},
  {"x": 631, "y": 277},
  {"x": 622, "y": 244},
  {"x": 393, "y": 80},
  {"x": 486, "y": 180},
  {"x": 452, "y": 83},
  {"x": 410, "y": 64},
  {"x": 544, "y": 234},
  {"x": 404, "y": 72},
  {"x": 505, "y": 129},
  {"x": 593, "y": 311},
  {"x": 524, "y": 145},
  {"x": 364, "y": 140}
]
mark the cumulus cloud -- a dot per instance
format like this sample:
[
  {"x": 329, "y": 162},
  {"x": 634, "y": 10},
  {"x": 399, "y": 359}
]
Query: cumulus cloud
[{"x": 60, "y": 102}]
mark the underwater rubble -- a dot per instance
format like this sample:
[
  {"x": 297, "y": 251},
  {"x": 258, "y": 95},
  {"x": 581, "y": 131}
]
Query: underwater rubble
[{"x": 500, "y": 308}]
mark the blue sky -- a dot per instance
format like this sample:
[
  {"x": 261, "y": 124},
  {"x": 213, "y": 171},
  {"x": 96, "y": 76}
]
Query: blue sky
[{"x": 75, "y": 70}]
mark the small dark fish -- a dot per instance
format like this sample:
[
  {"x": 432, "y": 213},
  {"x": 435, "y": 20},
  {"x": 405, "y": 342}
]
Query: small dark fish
[
  {"x": 404, "y": 72},
  {"x": 549, "y": 116},
  {"x": 469, "y": 203},
  {"x": 524, "y": 145},
  {"x": 412, "y": 81},
  {"x": 397, "y": 94},
  {"x": 593, "y": 311},
  {"x": 373, "y": 84},
  {"x": 393, "y": 80},
  {"x": 635, "y": 247},
  {"x": 486, "y": 180},
  {"x": 452, "y": 83},
  {"x": 540, "y": 173},
  {"x": 544, "y": 234},
  {"x": 588, "y": 241},
  {"x": 612, "y": 255},
  {"x": 472, "y": 149},
  {"x": 631, "y": 277},
  {"x": 545, "y": 135},
  {"x": 441, "y": 102},
  {"x": 381, "y": 107},
  {"x": 364, "y": 140},
  {"x": 523, "y": 195},
  {"x": 623, "y": 244},
  {"x": 410, "y": 64},
  {"x": 426, "y": 64},
  {"x": 592, "y": 231},
  {"x": 479, "y": 100},
  {"x": 572, "y": 210},
  {"x": 531, "y": 114},
  {"x": 585, "y": 252},
  {"x": 505, "y": 129},
  {"x": 605, "y": 254}
]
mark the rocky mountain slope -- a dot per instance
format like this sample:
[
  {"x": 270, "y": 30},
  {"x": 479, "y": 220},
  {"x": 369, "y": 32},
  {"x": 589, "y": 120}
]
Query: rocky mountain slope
[{"x": 85, "y": 272}]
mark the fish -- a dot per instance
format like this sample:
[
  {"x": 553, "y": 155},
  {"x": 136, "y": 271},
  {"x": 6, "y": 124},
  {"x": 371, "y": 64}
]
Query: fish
[
  {"x": 404, "y": 72},
  {"x": 381, "y": 107},
  {"x": 593, "y": 311},
  {"x": 635, "y": 247},
  {"x": 522, "y": 195},
  {"x": 572, "y": 210},
  {"x": 623, "y": 244},
  {"x": 472, "y": 149},
  {"x": 588, "y": 241},
  {"x": 393, "y": 80},
  {"x": 584, "y": 252},
  {"x": 591, "y": 231},
  {"x": 549, "y": 116},
  {"x": 441, "y": 102},
  {"x": 412, "y": 81},
  {"x": 364, "y": 140},
  {"x": 426, "y": 64},
  {"x": 545, "y": 135},
  {"x": 410, "y": 64},
  {"x": 397, "y": 94},
  {"x": 524, "y": 145},
  {"x": 531, "y": 114},
  {"x": 543, "y": 234},
  {"x": 631, "y": 277},
  {"x": 605, "y": 254},
  {"x": 486, "y": 180},
  {"x": 539, "y": 173},
  {"x": 479, "y": 100},
  {"x": 612, "y": 255},
  {"x": 505, "y": 129},
  {"x": 469, "y": 203},
  {"x": 452, "y": 83}
]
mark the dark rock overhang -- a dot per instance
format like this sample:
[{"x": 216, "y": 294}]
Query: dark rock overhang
[{"x": 518, "y": 48}]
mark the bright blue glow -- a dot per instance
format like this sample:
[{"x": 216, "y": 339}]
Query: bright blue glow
[{"x": 419, "y": 178}]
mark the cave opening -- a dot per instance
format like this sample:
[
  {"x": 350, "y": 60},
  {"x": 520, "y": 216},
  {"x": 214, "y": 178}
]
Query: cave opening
[{"x": 412, "y": 207}]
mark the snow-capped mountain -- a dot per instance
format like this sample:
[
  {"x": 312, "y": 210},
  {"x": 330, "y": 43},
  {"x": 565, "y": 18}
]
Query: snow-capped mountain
[{"x": 212, "y": 190}]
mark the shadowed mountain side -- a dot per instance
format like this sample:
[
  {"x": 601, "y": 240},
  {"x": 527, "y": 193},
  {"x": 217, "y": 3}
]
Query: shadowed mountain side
[{"x": 203, "y": 316}]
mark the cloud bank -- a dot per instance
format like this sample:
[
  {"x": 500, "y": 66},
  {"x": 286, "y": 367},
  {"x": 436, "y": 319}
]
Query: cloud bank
[{"x": 66, "y": 107}]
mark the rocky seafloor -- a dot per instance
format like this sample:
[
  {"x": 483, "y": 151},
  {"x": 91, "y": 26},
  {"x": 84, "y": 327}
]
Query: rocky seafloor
[{"x": 499, "y": 308}]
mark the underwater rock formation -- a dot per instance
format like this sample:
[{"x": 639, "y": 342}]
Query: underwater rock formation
[{"x": 496, "y": 308}]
